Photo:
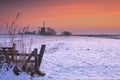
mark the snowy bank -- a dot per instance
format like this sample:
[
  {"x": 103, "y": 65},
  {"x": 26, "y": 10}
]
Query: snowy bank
[{"x": 75, "y": 58}]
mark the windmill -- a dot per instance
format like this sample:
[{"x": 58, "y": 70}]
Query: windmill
[{"x": 42, "y": 29}]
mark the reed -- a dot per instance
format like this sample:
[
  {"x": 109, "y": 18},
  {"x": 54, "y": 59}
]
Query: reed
[{"x": 11, "y": 29}]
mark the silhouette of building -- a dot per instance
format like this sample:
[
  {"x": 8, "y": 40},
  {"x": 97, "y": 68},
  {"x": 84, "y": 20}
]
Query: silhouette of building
[
  {"x": 66, "y": 33},
  {"x": 42, "y": 31},
  {"x": 46, "y": 31}
]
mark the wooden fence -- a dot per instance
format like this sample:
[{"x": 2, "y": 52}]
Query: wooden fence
[{"x": 12, "y": 55}]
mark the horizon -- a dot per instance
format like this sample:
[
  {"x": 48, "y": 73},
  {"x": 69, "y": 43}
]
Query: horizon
[{"x": 76, "y": 16}]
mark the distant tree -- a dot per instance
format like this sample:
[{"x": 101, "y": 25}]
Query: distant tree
[{"x": 66, "y": 33}]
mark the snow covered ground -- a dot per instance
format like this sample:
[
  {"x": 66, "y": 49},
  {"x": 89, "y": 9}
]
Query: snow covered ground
[{"x": 75, "y": 58}]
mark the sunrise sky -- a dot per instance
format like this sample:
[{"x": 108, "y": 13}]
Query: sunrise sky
[{"x": 77, "y": 16}]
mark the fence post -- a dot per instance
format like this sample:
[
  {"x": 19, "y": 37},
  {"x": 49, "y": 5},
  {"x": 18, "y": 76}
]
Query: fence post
[
  {"x": 40, "y": 55},
  {"x": 36, "y": 60},
  {"x": 13, "y": 52}
]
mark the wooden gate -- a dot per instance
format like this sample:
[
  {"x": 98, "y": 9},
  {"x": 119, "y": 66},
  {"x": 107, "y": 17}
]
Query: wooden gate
[{"x": 12, "y": 55}]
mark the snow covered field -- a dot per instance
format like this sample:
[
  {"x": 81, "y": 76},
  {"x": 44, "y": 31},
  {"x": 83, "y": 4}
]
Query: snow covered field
[{"x": 74, "y": 58}]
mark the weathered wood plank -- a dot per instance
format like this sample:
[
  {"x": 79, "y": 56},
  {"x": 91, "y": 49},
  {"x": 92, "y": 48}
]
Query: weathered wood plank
[
  {"x": 23, "y": 54},
  {"x": 17, "y": 54},
  {"x": 24, "y": 66},
  {"x": 21, "y": 61},
  {"x": 8, "y": 51}
]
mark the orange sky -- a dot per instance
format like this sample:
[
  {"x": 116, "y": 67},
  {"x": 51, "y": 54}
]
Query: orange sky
[{"x": 77, "y": 16}]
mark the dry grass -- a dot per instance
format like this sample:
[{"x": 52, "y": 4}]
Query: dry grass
[{"x": 10, "y": 32}]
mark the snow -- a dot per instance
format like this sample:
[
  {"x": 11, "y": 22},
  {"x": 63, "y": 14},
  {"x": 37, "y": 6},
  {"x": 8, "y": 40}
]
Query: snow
[
  {"x": 7, "y": 74},
  {"x": 74, "y": 58}
]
